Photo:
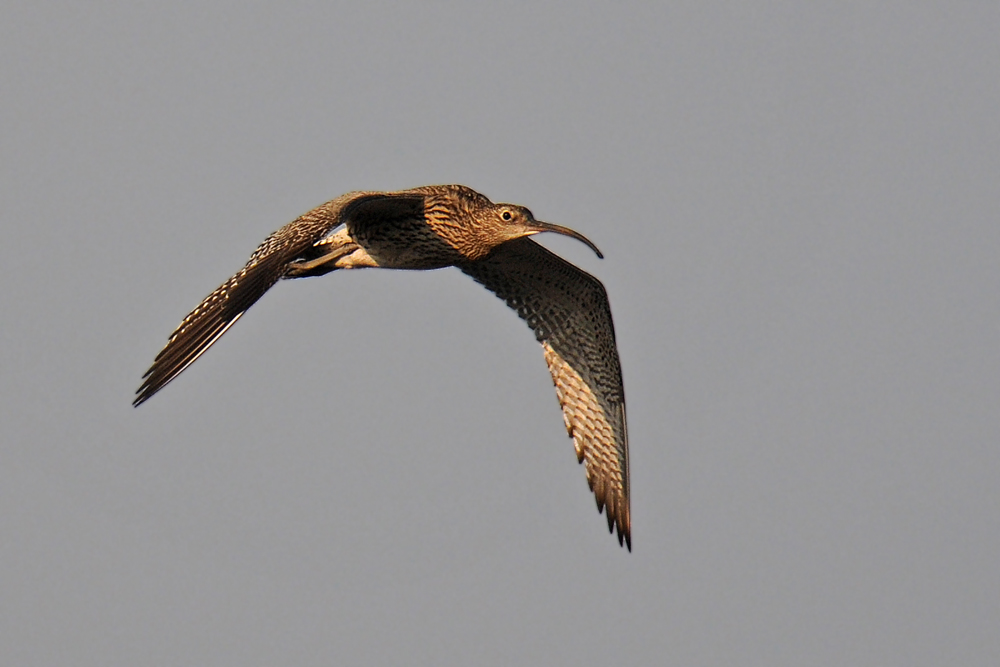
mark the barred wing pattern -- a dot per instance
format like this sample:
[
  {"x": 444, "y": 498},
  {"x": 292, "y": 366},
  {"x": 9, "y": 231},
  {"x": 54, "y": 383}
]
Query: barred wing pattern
[
  {"x": 222, "y": 308},
  {"x": 568, "y": 311},
  {"x": 306, "y": 237}
]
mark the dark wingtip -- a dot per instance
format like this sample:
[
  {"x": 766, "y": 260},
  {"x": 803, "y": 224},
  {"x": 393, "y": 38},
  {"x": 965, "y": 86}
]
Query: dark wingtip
[
  {"x": 614, "y": 521},
  {"x": 141, "y": 398},
  {"x": 146, "y": 390},
  {"x": 624, "y": 535}
]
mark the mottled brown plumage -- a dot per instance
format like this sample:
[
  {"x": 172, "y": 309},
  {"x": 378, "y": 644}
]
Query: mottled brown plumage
[{"x": 450, "y": 225}]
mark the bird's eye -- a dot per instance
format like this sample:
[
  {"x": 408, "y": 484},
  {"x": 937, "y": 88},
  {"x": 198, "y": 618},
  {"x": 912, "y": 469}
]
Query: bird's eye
[{"x": 506, "y": 216}]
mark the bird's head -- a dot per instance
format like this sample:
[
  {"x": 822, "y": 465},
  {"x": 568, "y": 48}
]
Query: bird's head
[{"x": 513, "y": 222}]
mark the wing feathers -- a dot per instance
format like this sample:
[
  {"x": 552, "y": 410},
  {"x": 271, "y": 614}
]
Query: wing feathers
[
  {"x": 222, "y": 308},
  {"x": 198, "y": 331},
  {"x": 568, "y": 311},
  {"x": 267, "y": 265}
]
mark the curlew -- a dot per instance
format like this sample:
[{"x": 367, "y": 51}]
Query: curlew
[{"x": 430, "y": 228}]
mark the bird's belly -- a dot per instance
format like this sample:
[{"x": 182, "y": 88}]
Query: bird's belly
[{"x": 393, "y": 258}]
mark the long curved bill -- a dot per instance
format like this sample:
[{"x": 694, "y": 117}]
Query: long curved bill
[{"x": 537, "y": 227}]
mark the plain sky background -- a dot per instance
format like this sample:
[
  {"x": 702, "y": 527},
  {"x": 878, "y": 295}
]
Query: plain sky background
[{"x": 799, "y": 204}]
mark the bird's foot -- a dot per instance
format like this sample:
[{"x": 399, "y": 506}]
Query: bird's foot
[{"x": 321, "y": 265}]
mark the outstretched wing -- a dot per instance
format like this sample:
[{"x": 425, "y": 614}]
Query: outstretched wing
[
  {"x": 205, "y": 324},
  {"x": 305, "y": 238},
  {"x": 568, "y": 311}
]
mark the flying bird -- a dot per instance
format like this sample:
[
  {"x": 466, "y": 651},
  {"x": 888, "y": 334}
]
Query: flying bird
[{"x": 433, "y": 227}]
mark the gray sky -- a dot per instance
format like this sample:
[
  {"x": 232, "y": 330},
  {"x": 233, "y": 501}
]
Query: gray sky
[{"x": 800, "y": 209}]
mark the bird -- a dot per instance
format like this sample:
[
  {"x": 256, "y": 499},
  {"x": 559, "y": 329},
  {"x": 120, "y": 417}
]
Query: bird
[{"x": 439, "y": 226}]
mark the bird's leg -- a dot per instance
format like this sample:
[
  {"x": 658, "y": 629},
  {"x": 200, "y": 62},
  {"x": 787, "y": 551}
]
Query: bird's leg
[
  {"x": 322, "y": 257},
  {"x": 319, "y": 266},
  {"x": 337, "y": 252}
]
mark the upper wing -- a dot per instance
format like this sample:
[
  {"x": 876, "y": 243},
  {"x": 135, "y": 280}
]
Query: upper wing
[
  {"x": 220, "y": 309},
  {"x": 569, "y": 313},
  {"x": 304, "y": 238}
]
